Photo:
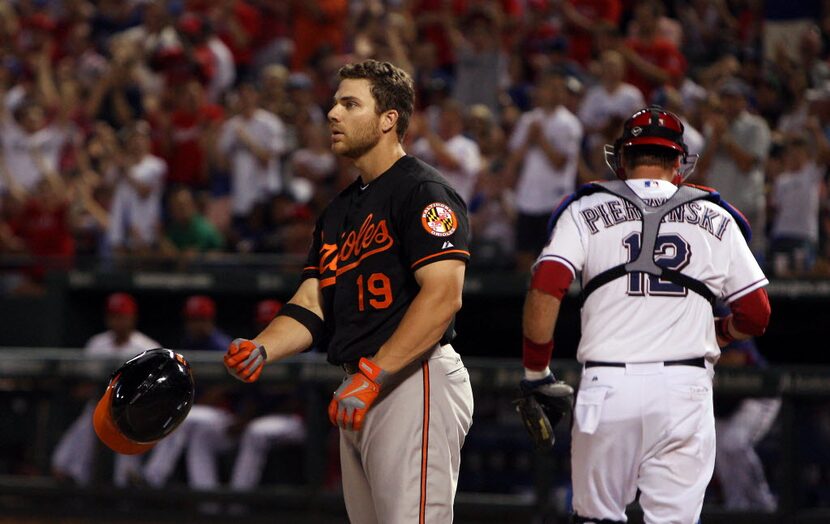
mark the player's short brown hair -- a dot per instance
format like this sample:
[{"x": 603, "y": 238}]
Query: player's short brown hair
[
  {"x": 648, "y": 155},
  {"x": 392, "y": 88}
]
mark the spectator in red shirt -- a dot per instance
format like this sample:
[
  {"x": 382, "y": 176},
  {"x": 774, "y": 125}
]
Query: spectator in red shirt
[
  {"x": 430, "y": 19},
  {"x": 317, "y": 25},
  {"x": 44, "y": 226},
  {"x": 187, "y": 134},
  {"x": 652, "y": 61},
  {"x": 41, "y": 228},
  {"x": 185, "y": 54},
  {"x": 238, "y": 25},
  {"x": 581, "y": 17}
]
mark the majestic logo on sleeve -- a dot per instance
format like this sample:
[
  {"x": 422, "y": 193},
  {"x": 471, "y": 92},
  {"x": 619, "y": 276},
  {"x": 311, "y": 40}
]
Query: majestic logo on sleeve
[{"x": 439, "y": 220}]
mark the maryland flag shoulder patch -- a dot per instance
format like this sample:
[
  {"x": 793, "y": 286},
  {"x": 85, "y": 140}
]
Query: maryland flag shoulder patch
[{"x": 439, "y": 220}]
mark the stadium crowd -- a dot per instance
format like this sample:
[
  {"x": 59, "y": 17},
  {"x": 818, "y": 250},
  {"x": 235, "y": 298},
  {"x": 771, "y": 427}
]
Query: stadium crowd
[{"x": 178, "y": 129}]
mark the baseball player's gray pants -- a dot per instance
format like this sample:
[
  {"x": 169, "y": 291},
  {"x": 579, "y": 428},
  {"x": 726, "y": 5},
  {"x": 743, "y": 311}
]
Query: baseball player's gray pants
[{"x": 402, "y": 467}]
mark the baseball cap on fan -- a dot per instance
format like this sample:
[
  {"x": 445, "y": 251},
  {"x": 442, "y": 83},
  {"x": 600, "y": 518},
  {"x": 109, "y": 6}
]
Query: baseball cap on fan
[
  {"x": 121, "y": 304},
  {"x": 200, "y": 307},
  {"x": 266, "y": 310}
]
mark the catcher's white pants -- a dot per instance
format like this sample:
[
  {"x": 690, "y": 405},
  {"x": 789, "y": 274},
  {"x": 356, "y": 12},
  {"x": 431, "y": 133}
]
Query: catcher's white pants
[
  {"x": 743, "y": 481},
  {"x": 645, "y": 426},
  {"x": 75, "y": 453},
  {"x": 402, "y": 467}
]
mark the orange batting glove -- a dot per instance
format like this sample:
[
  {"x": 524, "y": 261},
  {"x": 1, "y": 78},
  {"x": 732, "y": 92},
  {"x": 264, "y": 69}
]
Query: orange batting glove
[
  {"x": 356, "y": 395},
  {"x": 245, "y": 360}
]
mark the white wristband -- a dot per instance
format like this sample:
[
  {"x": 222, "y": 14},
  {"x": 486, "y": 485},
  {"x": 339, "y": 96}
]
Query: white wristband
[{"x": 536, "y": 375}]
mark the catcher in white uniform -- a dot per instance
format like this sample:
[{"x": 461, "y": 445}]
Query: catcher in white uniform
[{"x": 643, "y": 418}]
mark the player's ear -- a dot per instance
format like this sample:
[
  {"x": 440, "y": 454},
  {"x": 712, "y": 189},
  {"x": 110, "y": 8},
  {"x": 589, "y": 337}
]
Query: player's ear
[{"x": 388, "y": 120}]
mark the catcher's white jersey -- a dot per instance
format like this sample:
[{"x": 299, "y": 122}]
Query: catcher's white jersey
[{"x": 640, "y": 318}]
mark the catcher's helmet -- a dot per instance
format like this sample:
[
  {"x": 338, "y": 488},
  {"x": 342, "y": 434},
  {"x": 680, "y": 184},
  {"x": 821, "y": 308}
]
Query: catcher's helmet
[
  {"x": 146, "y": 399},
  {"x": 656, "y": 127}
]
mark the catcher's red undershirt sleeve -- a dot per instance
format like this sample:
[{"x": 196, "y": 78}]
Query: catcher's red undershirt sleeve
[
  {"x": 552, "y": 277},
  {"x": 750, "y": 313}
]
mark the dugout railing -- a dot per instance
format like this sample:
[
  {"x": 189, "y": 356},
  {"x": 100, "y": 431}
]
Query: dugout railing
[
  {"x": 72, "y": 304},
  {"x": 33, "y": 399}
]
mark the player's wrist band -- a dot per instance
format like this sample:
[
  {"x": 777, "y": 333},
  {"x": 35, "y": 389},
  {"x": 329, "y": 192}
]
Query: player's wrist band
[
  {"x": 372, "y": 371},
  {"x": 536, "y": 356},
  {"x": 307, "y": 318}
]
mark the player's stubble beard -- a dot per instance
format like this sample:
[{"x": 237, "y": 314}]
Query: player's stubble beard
[{"x": 363, "y": 140}]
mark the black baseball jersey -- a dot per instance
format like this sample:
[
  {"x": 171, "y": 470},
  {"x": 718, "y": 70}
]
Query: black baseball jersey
[{"x": 367, "y": 245}]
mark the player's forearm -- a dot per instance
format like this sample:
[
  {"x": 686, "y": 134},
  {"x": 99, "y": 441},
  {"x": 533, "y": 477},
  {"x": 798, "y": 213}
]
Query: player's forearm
[
  {"x": 549, "y": 284},
  {"x": 539, "y": 316},
  {"x": 538, "y": 320},
  {"x": 425, "y": 322}
]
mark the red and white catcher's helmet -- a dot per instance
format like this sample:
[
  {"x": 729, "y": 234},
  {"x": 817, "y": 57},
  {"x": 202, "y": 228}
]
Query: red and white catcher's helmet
[{"x": 652, "y": 126}]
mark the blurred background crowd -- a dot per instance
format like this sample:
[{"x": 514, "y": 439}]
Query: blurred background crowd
[
  {"x": 180, "y": 133},
  {"x": 180, "y": 130}
]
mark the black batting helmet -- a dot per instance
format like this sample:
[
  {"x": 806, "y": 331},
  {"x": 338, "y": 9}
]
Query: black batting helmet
[
  {"x": 145, "y": 400},
  {"x": 652, "y": 126}
]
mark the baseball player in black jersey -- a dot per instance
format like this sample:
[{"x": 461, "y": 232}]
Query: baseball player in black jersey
[{"x": 379, "y": 292}]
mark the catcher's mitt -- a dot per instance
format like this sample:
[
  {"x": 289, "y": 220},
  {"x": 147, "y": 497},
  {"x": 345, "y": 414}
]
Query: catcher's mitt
[
  {"x": 536, "y": 421},
  {"x": 542, "y": 405}
]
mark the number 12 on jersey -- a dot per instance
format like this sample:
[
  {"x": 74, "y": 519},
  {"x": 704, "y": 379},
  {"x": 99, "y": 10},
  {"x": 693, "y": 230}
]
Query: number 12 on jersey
[
  {"x": 379, "y": 287},
  {"x": 671, "y": 252}
]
